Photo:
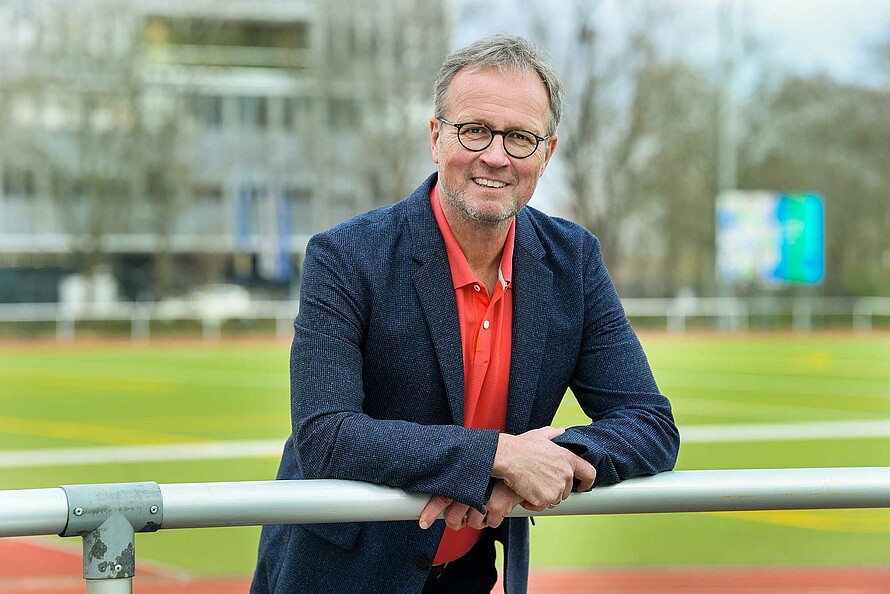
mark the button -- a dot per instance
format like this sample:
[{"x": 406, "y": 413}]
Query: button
[
  {"x": 485, "y": 324},
  {"x": 422, "y": 562},
  {"x": 477, "y": 287}
]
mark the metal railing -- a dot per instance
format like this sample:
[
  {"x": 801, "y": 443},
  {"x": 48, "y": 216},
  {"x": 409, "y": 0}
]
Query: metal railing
[
  {"x": 735, "y": 314},
  {"x": 109, "y": 515}
]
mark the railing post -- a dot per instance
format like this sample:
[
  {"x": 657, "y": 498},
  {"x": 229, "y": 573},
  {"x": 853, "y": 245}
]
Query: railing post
[
  {"x": 109, "y": 557},
  {"x": 140, "y": 322},
  {"x": 676, "y": 317},
  {"x": 64, "y": 327},
  {"x": 284, "y": 326},
  {"x": 211, "y": 329},
  {"x": 862, "y": 313},
  {"x": 802, "y": 316}
]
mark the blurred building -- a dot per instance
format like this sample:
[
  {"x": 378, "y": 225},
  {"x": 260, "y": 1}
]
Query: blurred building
[{"x": 181, "y": 143}]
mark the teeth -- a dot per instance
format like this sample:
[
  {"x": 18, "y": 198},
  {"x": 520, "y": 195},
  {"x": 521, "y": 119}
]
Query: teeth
[{"x": 488, "y": 183}]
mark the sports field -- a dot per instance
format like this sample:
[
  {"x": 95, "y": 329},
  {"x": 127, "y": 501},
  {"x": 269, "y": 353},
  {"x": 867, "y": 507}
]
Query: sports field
[{"x": 742, "y": 401}]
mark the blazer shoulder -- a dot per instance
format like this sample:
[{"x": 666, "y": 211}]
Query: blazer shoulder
[{"x": 560, "y": 238}]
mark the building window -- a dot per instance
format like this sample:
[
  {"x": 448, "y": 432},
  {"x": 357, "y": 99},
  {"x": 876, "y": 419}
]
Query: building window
[
  {"x": 300, "y": 209},
  {"x": 344, "y": 114},
  {"x": 205, "y": 214},
  {"x": 298, "y": 114},
  {"x": 343, "y": 206},
  {"x": 208, "y": 110},
  {"x": 18, "y": 182},
  {"x": 253, "y": 112},
  {"x": 160, "y": 30}
]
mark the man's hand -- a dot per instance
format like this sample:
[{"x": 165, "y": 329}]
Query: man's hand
[
  {"x": 533, "y": 472},
  {"x": 455, "y": 512},
  {"x": 503, "y": 500},
  {"x": 538, "y": 470}
]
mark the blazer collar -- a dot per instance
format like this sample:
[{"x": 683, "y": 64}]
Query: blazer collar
[
  {"x": 425, "y": 235},
  {"x": 435, "y": 291},
  {"x": 532, "y": 298}
]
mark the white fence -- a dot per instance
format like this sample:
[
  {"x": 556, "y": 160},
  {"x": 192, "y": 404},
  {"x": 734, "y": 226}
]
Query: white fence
[
  {"x": 736, "y": 314},
  {"x": 139, "y": 316},
  {"x": 676, "y": 315},
  {"x": 110, "y": 514}
]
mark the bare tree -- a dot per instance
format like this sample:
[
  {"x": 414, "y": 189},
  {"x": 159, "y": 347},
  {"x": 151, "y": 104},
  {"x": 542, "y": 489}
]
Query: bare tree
[
  {"x": 376, "y": 74},
  {"x": 637, "y": 147}
]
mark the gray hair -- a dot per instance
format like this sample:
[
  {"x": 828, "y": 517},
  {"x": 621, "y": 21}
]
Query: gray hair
[{"x": 505, "y": 52}]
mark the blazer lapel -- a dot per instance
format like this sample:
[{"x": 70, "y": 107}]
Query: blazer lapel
[
  {"x": 435, "y": 291},
  {"x": 532, "y": 291}
]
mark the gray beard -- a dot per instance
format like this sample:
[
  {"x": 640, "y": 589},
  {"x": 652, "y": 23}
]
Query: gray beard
[{"x": 460, "y": 202}]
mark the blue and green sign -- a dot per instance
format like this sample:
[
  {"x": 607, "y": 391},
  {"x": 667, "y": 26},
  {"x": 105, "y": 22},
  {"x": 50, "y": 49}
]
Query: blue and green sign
[
  {"x": 802, "y": 220},
  {"x": 770, "y": 237}
]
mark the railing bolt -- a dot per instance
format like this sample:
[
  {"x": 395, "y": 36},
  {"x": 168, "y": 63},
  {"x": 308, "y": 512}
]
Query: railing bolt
[
  {"x": 78, "y": 511},
  {"x": 153, "y": 509}
]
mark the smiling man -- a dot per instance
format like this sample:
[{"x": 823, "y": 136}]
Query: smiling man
[{"x": 437, "y": 337}]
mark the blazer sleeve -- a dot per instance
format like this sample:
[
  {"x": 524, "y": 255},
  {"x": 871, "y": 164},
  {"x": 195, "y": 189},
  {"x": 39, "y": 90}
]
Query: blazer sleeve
[
  {"x": 632, "y": 430},
  {"x": 333, "y": 435}
]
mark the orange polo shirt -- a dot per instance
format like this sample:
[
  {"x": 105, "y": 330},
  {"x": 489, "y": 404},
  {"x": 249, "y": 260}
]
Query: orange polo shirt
[{"x": 486, "y": 332}]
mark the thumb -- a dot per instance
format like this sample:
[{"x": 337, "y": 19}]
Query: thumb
[{"x": 433, "y": 509}]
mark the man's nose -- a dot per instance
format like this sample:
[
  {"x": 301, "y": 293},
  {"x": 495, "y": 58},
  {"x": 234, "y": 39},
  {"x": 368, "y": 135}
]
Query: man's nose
[{"x": 495, "y": 155}]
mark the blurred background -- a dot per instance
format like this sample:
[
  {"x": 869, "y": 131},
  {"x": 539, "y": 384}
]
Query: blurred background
[
  {"x": 163, "y": 164},
  {"x": 156, "y": 151}
]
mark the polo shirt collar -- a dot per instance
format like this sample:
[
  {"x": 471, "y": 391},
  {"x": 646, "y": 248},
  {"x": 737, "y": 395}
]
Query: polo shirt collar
[{"x": 461, "y": 273}]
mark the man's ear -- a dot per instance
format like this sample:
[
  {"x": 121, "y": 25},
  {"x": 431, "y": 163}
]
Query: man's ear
[
  {"x": 551, "y": 146},
  {"x": 435, "y": 128}
]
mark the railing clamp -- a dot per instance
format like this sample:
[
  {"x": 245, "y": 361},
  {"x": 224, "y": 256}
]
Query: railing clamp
[{"x": 107, "y": 517}]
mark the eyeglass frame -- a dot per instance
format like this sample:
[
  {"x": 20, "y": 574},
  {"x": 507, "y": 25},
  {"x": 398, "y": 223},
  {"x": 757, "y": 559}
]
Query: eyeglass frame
[{"x": 501, "y": 133}]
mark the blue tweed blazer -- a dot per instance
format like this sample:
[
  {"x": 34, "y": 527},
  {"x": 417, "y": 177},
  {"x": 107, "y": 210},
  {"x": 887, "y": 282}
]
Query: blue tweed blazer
[{"x": 377, "y": 389}]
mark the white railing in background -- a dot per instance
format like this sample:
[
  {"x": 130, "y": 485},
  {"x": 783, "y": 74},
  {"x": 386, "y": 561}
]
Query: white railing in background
[
  {"x": 140, "y": 315},
  {"x": 727, "y": 313},
  {"x": 736, "y": 313},
  {"x": 106, "y": 513}
]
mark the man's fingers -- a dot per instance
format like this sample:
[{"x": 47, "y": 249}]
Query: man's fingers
[
  {"x": 435, "y": 506},
  {"x": 566, "y": 491},
  {"x": 549, "y": 433},
  {"x": 493, "y": 520},
  {"x": 456, "y": 515},
  {"x": 503, "y": 500},
  {"x": 476, "y": 520},
  {"x": 530, "y": 507},
  {"x": 585, "y": 474}
]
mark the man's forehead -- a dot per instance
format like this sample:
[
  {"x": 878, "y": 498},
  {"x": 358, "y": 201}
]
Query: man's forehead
[
  {"x": 504, "y": 73},
  {"x": 508, "y": 89}
]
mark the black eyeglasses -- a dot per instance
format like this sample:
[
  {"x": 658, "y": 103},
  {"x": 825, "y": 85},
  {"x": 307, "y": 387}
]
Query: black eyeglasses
[{"x": 477, "y": 137}]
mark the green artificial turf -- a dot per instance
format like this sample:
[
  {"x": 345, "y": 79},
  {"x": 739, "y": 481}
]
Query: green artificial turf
[{"x": 178, "y": 392}]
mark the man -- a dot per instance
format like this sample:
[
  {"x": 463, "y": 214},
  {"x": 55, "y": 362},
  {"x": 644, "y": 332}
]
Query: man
[{"x": 435, "y": 340}]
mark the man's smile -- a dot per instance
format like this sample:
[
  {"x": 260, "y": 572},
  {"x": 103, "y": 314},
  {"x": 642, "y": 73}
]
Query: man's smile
[{"x": 488, "y": 183}]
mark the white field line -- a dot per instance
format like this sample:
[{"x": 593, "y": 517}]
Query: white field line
[
  {"x": 271, "y": 448},
  {"x": 210, "y": 450},
  {"x": 785, "y": 431}
]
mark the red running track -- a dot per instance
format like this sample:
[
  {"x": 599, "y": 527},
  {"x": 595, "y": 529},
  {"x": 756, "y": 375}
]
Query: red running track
[{"x": 29, "y": 566}]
